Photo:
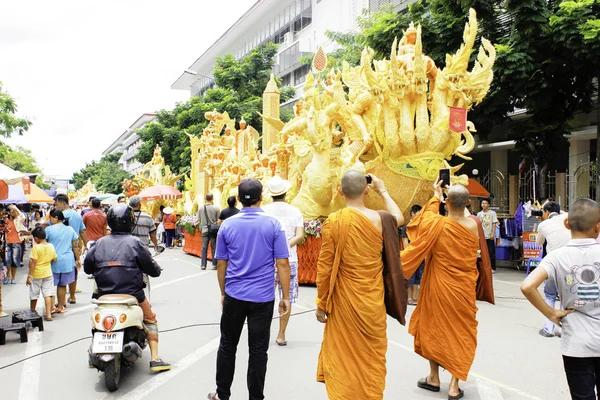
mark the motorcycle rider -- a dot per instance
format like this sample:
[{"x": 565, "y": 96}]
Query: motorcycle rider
[{"x": 118, "y": 262}]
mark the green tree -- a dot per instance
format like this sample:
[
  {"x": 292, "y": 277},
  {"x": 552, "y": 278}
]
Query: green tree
[
  {"x": 238, "y": 91},
  {"x": 19, "y": 159},
  {"x": 105, "y": 174},
  {"x": 9, "y": 122}
]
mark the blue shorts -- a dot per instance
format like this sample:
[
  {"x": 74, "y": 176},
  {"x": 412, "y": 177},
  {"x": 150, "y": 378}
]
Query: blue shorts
[
  {"x": 415, "y": 279},
  {"x": 64, "y": 278}
]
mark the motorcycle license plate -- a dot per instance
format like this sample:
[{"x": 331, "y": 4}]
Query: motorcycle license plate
[{"x": 107, "y": 342}]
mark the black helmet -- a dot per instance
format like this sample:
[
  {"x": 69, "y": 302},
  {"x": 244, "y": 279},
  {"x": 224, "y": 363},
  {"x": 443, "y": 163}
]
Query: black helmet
[{"x": 120, "y": 218}]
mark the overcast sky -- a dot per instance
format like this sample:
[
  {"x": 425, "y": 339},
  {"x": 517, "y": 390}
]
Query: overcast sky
[{"x": 84, "y": 71}]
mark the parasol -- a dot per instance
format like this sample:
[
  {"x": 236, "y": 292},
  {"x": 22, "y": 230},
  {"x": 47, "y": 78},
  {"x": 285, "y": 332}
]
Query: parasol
[
  {"x": 160, "y": 192},
  {"x": 476, "y": 190},
  {"x": 15, "y": 196},
  {"x": 36, "y": 194}
]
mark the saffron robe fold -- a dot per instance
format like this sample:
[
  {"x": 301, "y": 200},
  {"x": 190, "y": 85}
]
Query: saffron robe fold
[
  {"x": 485, "y": 283},
  {"x": 443, "y": 323},
  {"x": 350, "y": 289}
]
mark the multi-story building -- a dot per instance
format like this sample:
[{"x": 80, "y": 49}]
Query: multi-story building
[
  {"x": 298, "y": 26},
  {"x": 128, "y": 143}
]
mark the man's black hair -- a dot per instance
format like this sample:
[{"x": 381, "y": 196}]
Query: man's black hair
[
  {"x": 415, "y": 208},
  {"x": 96, "y": 203},
  {"x": 231, "y": 201},
  {"x": 552, "y": 207},
  {"x": 62, "y": 198},
  {"x": 487, "y": 199},
  {"x": 280, "y": 197}
]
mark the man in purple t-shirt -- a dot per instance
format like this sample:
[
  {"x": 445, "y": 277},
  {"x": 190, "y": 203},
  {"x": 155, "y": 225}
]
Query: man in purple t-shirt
[{"x": 249, "y": 245}]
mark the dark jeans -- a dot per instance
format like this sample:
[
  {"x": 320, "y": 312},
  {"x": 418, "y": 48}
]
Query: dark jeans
[
  {"x": 13, "y": 255},
  {"x": 170, "y": 236},
  {"x": 235, "y": 313},
  {"x": 213, "y": 249},
  {"x": 491, "y": 243},
  {"x": 583, "y": 375}
]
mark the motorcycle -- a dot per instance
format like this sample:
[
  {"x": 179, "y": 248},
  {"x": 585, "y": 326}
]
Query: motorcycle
[{"x": 118, "y": 336}]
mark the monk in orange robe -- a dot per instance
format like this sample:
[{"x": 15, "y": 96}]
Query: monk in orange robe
[
  {"x": 444, "y": 323},
  {"x": 350, "y": 294}
]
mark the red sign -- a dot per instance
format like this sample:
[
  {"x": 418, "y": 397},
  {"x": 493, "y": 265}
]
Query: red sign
[
  {"x": 26, "y": 185},
  {"x": 458, "y": 119},
  {"x": 531, "y": 250}
]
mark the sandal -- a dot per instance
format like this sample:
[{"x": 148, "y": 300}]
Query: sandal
[
  {"x": 460, "y": 395},
  {"x": 282, "y": 343},
  {"x": 59, "y": 311},
  {"x": 74, "y": 301},
  {"x": 46, "y": 318},
  {"x": 212, "y": 396},
  {"x": 422, "y": 383}
]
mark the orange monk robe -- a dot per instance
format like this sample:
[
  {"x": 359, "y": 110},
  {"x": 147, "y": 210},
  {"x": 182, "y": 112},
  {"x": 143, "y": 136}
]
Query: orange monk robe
[
  {"x": 443, "y": 323},
  {"x": 350, "y": 289}
]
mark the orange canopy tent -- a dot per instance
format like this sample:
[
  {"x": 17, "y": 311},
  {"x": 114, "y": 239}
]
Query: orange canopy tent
[
  {"x": 476, "y": 190},
  {"x": 36, "y": 195}
]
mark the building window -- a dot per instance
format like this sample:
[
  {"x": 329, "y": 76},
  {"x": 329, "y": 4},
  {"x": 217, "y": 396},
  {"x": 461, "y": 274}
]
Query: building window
[
  {"x": 286, "y": 80},
  {"x": 300, "y": 74}
]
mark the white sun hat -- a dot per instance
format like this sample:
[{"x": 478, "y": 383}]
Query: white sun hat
[
  {"x": 278, "y": 186},
  {"x": 168, "y": 210}
]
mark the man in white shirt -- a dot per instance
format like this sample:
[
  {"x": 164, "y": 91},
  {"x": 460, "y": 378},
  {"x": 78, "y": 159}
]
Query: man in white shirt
[
  {"x": 554, "y": 233},
  {"x": 291, "y": 219},
  {"x": 489, "y": 220}
]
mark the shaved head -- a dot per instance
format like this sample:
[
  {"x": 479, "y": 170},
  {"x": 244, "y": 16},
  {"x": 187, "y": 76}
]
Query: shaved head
[
  {"x": 584, "y": 214},
  {"x": 458, "y": 197},
  {"x": 353, "y": 184}
]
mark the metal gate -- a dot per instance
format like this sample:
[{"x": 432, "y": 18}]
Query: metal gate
[{"x": 496, "y": 183}]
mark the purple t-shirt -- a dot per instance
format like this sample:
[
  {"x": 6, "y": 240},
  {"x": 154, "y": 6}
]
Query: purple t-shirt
[{"x": 251, "y": 240}]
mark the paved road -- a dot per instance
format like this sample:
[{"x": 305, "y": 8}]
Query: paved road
[{"x": 513, "y": 362}]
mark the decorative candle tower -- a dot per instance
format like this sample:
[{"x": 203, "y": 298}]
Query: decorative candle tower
[{"x": 271, "y": 97}]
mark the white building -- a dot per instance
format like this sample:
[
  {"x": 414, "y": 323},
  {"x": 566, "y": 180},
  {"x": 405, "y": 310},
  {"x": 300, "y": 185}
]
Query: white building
[
  {"x": 298, "y": 26},
  {"x": 128, "y": 144}
]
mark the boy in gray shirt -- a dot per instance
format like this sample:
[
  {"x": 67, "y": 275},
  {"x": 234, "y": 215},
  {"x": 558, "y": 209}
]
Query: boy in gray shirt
[{"x": 575, "y": 270}]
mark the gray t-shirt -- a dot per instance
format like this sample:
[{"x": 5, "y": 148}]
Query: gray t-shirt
[
  {"x": 213, "y": 215},
  {"x": 488, "y": 221},
  {"x": 575, "y": 269}
]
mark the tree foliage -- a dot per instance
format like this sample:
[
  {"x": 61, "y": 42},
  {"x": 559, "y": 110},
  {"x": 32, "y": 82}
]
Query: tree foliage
[
  {"x": 105, "y": 174},
  {"x": 19, "y": 159},
  {"x": 238, "y": 91},
  {"x": 548, "y": 54},
  {"x": 9, "y": 122}
]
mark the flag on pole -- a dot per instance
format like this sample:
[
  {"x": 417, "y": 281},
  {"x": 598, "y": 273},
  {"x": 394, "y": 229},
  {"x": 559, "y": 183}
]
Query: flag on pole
[
  {"x": 458, "y": 119},
  {"x": 26, "y": 185},
  {"x": 522, "y": 165}
]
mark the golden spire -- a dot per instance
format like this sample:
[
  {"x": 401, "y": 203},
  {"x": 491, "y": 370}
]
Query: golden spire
[{"x": 272, "y": 85}]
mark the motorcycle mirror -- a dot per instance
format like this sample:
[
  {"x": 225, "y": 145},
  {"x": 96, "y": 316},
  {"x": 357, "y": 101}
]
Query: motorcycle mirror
[{"x": 159, "y": 249}]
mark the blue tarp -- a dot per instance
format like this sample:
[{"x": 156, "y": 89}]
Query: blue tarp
[{"x": 15, "y": 196}]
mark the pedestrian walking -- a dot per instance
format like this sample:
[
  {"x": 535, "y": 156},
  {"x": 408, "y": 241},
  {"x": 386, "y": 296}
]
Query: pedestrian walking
[
  {"x": 552, "y": 233},
  {"x": 415, "y": 280},
  {"x": 170, "y": 222},
  {"x": 248, "y": 245},
  {"x": 208, "y": 215},
  {"x": 350, "y": 292},
  {"x": 293, "y": 223},
  {"x": 95, "y": 221},
  {"x": 40, "y": 278},
  {"x": 575, "y": 272},
  {"x": 64, "y": 239},
  {"x": 15, "y": 232},
  {"x": 444, "y": 322},
  {"x": 489, "y": 220},
  {"x": 144, "y": 227},
  {"x": 74, "y": 220},
  {"x": 230, "y": 211}
]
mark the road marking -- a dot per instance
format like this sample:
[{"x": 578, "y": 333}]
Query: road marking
[
  {"x": 482, "y": 378},
  {"x": 90, "y": 306},
  {"x": 508, "y": 283},
  {"x": 30, "y": 376},
  {"x": 187, "y": 262},
  {"x": 487, "y": 391},
  {"x": 158, "y": 380}
]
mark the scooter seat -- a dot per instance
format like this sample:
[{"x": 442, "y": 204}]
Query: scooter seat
[{"x": 124, "y": 299}]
